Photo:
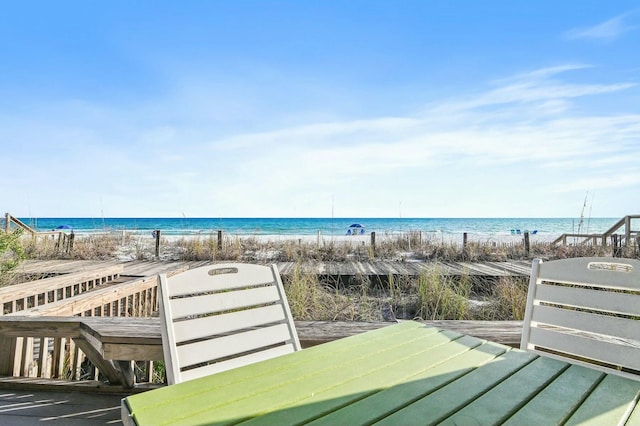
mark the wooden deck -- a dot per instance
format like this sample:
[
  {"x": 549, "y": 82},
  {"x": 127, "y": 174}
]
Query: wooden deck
[
  {"x": 74, "y": 408},
  {"x": 375, "y": 268},
  {"x": 34, "y": 400}
]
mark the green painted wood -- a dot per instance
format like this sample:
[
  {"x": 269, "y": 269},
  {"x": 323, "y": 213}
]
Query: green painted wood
[
  {"x": 497, "y": 404},
  {"x": 609, "y": 403},
  {"x": 169, "y": 403},
  {"x": 403, "y": 374},
  {"x": 557, "y": 402},
  {"x": 401, "y": 394},
  {"x": 440, "y": 404},
  {"x": 370, "y": 378},
  {"x": 306, "y": 386},
  {"x": 634, "y": 419}
]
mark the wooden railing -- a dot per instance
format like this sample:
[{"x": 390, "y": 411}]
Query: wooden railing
[
  {"x": 114, "y": 343},
  {"x": 64, "y": 241},
  {"x": 60, "y": 351},
  {"x": 628, "y": 237},
  {"x": 17, "y": 222},
  {"x": 35, "y": 294}
]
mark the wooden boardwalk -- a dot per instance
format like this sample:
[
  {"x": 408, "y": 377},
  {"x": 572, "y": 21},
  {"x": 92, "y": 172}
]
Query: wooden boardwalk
[
  {"x": 383, "y": 268},
  {"x": 140, "y": 268}
]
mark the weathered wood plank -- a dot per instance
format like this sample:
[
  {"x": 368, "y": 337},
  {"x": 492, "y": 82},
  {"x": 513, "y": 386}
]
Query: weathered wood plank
[
  {"x": 34, "y": 288},
  {"x": 91, "y": 300},
  {"x": 29, "y": 326},
  {"x": 385, "y": 268},
  {"x": 368, "y": 268}
]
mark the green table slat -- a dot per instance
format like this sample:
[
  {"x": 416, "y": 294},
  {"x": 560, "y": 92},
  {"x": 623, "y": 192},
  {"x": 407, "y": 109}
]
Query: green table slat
[
  {"x": 402, "y": 374},
  {"x": 560, "y": 399},
  {"x": 170, "y": 404},
  {"x": 445, "y": 401},
  {"x": 374, "y": 377},
  {"x": 496, "y": 405},
  {"x": 608, "y": 403},
  {"x": 383, "y": 403},
  {"x": 319, "y": 378}
]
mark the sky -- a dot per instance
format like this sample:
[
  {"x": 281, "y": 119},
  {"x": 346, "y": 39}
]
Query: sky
[{"x": 320, "y": 108}]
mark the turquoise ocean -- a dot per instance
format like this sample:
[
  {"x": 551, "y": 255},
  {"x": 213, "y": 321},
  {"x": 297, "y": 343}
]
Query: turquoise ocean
[{"x": 478, "y": 228}]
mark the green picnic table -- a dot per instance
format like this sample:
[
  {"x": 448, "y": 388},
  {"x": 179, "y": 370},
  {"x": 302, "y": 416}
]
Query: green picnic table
[{"x": 402, "y": 374}]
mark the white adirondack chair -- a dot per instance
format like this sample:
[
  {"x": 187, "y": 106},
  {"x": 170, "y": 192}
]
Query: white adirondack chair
[
  {"x": 218, "y": 317},
  {"x": 586, "y": 311}
]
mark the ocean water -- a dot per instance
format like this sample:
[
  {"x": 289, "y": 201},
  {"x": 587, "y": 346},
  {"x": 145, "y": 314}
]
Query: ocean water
[{"x": 477, "y": 228}]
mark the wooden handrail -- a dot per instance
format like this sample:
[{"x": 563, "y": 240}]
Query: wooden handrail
[
  {"x": 18, "y": 297},
  {"x": 625, "y": 221},
  {"x": 10, "y": 219}
]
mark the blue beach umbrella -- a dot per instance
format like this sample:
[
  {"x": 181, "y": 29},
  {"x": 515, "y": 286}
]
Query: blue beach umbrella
[
  {"x": 63, "y": 227},
  {"x": 355, "y": 228}
]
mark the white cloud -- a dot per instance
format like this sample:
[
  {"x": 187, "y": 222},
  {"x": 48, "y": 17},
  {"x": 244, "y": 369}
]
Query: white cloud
[
  {"x": 606, "y": 31},
  {"x": 521, "y": 132}
]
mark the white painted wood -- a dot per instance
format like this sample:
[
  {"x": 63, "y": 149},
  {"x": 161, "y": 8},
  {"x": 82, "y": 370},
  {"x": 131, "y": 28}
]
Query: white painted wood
[
  {"x": 221, "y": 302},
  {"x": 240, "y": 361},
  {"x": 586, "y": 347},
  {"x": 227, "y": 323},
  {"x": 587, "y": 308},
  {"x": 219, "y": 277},
  {"x": 604, "y": 325},
  {"x": 225, "y": 346},
  {"x": 605, "y": 272},
  {"x": 618, "y": 303},
  {"x": 219, "y": 317}
]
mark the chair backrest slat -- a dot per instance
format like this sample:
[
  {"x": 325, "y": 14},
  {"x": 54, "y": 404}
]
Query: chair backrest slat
[
  {"x": 220, "y": 277},
  {"x": 202, "y": 327},
  {"x": 222, "y": 302},
  {"x": 587, "y": 311},
  {"x": 206, "y": 351},
  {"x": 587, "y": 322},
  {"x": 223, "y": 316},
  {"x": 621, "y": 303},
  {"x": 239, "y": 361}
]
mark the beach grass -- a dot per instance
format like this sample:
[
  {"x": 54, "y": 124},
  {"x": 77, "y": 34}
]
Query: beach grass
[{"x": 432, "y": 295}]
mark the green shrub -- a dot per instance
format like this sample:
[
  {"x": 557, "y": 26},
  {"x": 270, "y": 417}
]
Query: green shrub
[{"x": 11, "y": 251}]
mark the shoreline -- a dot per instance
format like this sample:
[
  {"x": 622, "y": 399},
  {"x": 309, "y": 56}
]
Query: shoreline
[{"x": 173, "y": 246}]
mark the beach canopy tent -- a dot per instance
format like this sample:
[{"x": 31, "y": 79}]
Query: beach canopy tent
[{"x": 355, "y": 229}]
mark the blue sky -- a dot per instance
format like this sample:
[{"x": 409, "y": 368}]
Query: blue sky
[{"x": 317, "y": 108}]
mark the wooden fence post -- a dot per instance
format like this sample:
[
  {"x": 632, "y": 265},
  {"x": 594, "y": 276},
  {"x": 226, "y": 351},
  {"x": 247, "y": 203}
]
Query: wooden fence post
[
  {"x": 70, "y": 245},
  {"x": 156, "y": 235},
  {"x": 526, "y": 244},
  {"x": 616, "y": 245},
  {"x": 373, "y": 244},
  {"x": 464, "y": 240},
  {"x": 219, "y": 240}
]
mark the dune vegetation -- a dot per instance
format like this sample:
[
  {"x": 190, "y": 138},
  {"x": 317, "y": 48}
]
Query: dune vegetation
[{"x": 431, "y": 295}]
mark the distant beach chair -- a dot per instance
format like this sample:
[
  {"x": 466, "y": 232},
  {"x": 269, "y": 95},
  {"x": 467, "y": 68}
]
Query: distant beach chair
[
  {"x": 586, "y": 311},
  {"x": 218, "y": 317}
]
